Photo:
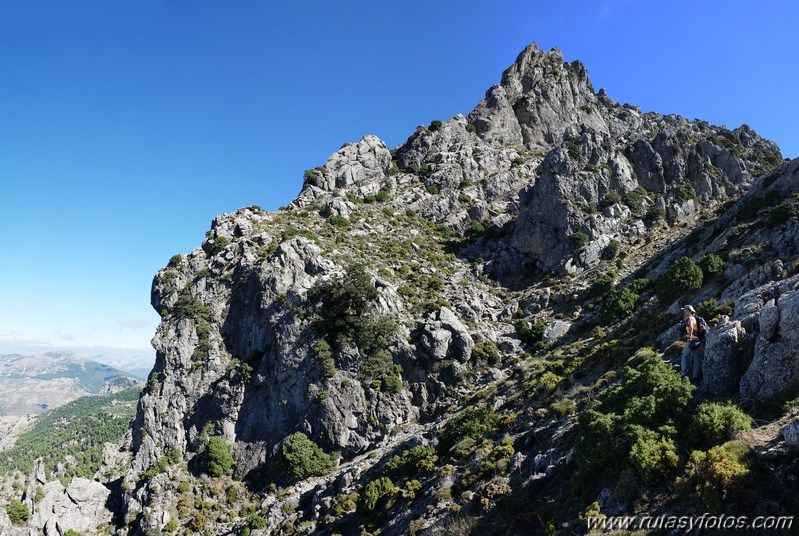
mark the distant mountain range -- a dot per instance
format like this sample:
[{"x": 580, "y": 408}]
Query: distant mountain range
[{"x": 35, "y": 383}]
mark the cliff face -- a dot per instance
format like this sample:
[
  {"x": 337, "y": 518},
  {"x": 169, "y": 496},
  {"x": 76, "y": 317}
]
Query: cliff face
[{"x": 437, "y": 249}]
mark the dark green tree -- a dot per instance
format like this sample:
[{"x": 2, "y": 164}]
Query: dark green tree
[{"x": 220, "y": 456}]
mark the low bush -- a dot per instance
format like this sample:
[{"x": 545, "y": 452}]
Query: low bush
[
  {"x": 604, "y": 283},
  {"x": 529, "y": 333},
  {"x": 406, "y": 464},
  {"x": 579, "y": 239},
  {"x": 609, "y": 199},
  {"x": 17, "y": 512},
  {"x": 711, "y": 265},
  {"x": 636, "y": 422},
  {"x": 780, "y": 214},
  {"x": 339, "y": 222},
  {"x": 376, "y": 490},
  {"x": 323, "y": 357},
  {"x": 471, "y": 423},
  {"x": 619, "y": 304},
  {"x": 716, "y": 422},
  {"x": 716, "y": 473}
]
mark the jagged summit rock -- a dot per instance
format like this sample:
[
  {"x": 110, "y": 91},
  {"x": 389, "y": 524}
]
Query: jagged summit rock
[{"x": 539, "y": 98}]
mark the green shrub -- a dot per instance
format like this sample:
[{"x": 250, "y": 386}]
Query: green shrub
[
  {"x": 545, "y": 383},
  {"x": 527, "y": 333},
  {"x": 711, "y": 265},
  {"x": 619, "y": 304},
  {"x": 303, "y": 458},
  {"x": 432, "y": 189},
  {"x": 780, "y": 214},
  {"x": 220, "y": 456},
  {"x": 171, "y": 526},
  {"x": 714, "y": 474},
  {"x": 573, "y": 148},
  {"x": 345, "y": 315},
  {"x": 393, "y": 382},
  {"x": 407, "y": 463},
  {"x": 175, "y": 260},
  {"x": 471, "y": 423},
  {"x": 17, "y": 512},
  {"x": 371, "y": 495},
  {"x": 471, "y": 128},
  {"x": 654, "y": 457},
  {"x": 477, "y": 228},
  {"x": 486, "y": 351},
  {"x": 639, "y": 285},
  {"x": 435, "y": 125},
  {"x": 256, "y": 522},
  {"x": 604, "y": 283},
  {"x": 339, "y": 222},
  {"x": 681, "y": 276},
  {"x": 634, "y": 199},
  {"x": 656, "y": 213},
  {"x": 562, "y": 407},
  {"x": 579, "y": 239},
  {"x": 323, "y": 357},
  {"x": 711, "y": 310},
  {"x": 686, "y": 192},
  {"x": 609, "y": 199},
  {"x": 646, "y": 408},
  {"x": 219, "y": 243},
  {"x": 612, "y": 249},
  {"x": 716, "y": 422}
]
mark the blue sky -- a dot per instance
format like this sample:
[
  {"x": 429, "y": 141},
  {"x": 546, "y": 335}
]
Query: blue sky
[{"x": 126, "y": 126}]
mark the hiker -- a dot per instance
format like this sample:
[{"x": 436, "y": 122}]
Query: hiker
[{"x": 690, "y": 360}]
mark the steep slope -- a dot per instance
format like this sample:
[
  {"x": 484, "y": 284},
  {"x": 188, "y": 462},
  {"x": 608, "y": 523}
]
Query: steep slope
[{"x": 401, "y": 285}]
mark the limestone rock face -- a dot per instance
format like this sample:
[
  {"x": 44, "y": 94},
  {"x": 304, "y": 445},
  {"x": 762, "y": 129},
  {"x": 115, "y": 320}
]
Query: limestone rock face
[
  {"x": 727, "y": 350},
  {"x": 775, "y": 367},
  {"x": 445, "y": 337},
  {"x": 755, "y": 353},
  {"x": 494, "y": 119},
  {"x": 81, "y": 506},
  {"x": 357, "y": 163}
]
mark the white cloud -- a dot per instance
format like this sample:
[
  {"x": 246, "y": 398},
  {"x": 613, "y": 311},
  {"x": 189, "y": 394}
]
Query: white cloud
[
  {"x": 132, "y": 323},
  {"x": 63, "y": 336},
  {"x": 13, "y": 335}
]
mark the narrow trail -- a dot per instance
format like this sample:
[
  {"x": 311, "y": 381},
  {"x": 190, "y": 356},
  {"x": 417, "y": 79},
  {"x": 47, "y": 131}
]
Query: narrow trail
[{"x": 767, "y": 438}]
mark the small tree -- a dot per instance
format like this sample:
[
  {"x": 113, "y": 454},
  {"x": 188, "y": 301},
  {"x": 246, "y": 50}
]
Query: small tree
[
  {"x": 303, "y": 458},
  {"x": 220, "y": 457},
  {"x": 683, "y": 275}
]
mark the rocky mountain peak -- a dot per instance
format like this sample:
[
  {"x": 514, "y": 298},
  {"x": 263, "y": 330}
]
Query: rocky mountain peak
[{"x": 402, "y": 285}]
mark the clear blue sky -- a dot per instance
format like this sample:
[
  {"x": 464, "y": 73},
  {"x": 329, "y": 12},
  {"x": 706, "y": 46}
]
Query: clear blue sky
[{"x": 126, "y": 126}]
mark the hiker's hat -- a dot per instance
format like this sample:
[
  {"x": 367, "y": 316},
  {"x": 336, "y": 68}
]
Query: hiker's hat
[{"x": 689, "y": 308}]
